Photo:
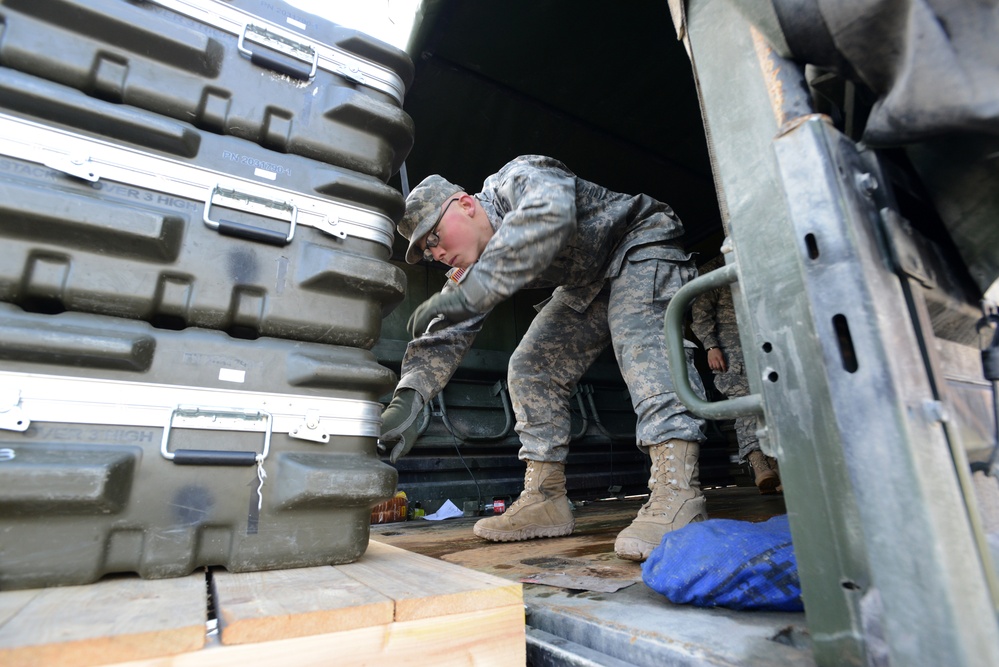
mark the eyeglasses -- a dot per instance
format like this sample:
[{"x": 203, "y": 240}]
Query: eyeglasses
[{"x": 432, "y": 239}]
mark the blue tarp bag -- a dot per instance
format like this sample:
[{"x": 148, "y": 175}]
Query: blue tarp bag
[{"x": 726, "y": 563}]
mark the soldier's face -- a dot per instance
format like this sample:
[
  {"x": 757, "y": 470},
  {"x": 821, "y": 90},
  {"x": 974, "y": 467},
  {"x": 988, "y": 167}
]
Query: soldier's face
[{"x": 458, "y": 242}]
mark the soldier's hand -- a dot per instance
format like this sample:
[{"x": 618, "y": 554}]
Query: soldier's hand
[
  {"x": 451, "y": 305},
  {"x": 400, "y": 423},
  {"x": 716, "y": 360}
]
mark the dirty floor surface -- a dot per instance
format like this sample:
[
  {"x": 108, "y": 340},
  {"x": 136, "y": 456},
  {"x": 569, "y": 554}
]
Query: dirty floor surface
[{"x": 588, "y": 606}]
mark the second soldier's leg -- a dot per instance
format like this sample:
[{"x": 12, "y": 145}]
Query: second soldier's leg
[{"x": 733, "y": 383}]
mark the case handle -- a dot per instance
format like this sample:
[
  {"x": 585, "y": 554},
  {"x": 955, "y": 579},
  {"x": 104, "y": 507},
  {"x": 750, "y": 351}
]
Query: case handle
[
  {"x": 673, "y": 330},
  {"x": 295, "y": 59},
  {"x": 216, "y": 457},
  {"x": 259, "y": 205}
]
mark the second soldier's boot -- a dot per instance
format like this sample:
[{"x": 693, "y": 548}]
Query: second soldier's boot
[
  {"x": 776, "y": 468},
  {"x": 542, "y": 510},
  {"x": 764, "y": 472},
  {"x": 675, "y": 500}
]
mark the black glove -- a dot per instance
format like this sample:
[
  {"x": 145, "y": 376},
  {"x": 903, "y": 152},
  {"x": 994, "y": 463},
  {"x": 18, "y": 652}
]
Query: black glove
[
  {"x": 399, "y": 422},
  {"x": 452, "y": 305}
]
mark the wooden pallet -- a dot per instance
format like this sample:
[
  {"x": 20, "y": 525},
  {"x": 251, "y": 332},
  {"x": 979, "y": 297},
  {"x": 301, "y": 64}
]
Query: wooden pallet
[{"x": 390, "y": 607}]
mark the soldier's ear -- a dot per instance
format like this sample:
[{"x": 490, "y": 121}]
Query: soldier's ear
[{"x": 467, "y": 203}]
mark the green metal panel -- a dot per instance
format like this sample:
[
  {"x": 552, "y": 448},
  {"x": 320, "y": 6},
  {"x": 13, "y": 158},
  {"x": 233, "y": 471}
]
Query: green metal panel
[{"x": 887, "y": 556}]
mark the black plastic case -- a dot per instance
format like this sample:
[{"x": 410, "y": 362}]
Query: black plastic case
[
  {"x": 262, "y": 71},
  {"x": 118, "y": 211},
  {"x": 124, "y": 448}
]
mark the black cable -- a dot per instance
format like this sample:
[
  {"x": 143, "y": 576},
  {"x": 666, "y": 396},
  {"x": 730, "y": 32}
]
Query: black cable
[
  {"x": 454, "y": 439},
  {"x": 990, "y": 369}
]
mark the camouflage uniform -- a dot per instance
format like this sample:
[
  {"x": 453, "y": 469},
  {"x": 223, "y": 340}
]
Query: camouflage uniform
[
  {"x": 714, "y": 324},
  {"x": 614, "y": 265}
]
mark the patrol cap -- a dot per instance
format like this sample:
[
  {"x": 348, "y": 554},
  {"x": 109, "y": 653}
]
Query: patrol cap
[{"x": 423, "y": 205}]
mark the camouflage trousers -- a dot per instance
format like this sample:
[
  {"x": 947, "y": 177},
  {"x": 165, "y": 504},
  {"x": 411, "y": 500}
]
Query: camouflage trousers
[
  {"x": 733, "y": 383},
  {"x": 562, "y": 343}
]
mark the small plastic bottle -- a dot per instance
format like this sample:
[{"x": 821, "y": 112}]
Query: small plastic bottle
[
  {"x": 497, "y": 506},
  {"x": 400, "y": 503}
]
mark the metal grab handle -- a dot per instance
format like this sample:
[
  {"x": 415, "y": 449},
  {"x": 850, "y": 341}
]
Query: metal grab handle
[
  {"x": 251, "y": 233},
  {"x": 498, "y": 389},
  {"x": 588, "y": 391},
  {"x": 291, "y": 57},
  {"x": 584, "y": 427},
  {"x": 673, "y": 330},
  {"x": 206, "y": 457},
  {"x": 280, "y": 66},
  {"x": 253, "y": 204},
  {"x": 216, "y": 457}
]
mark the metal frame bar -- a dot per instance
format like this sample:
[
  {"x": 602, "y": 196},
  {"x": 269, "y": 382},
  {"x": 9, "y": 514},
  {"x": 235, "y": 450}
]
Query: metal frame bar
[
  {"x": 32, "y": 397},
  {"x": 94, "y": 159}
]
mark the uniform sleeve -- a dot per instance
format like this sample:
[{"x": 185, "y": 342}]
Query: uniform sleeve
[
  {"x": 704, "y": 313},
  {"x": 541, "y": 219},
  {"x": 431, "y": 359}
]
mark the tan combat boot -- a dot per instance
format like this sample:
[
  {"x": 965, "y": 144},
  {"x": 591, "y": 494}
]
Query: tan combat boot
[
  {"x": 675, "y": 501},
  {"x": 764, "y": 472},
  {"x": 542, "y": 510}
]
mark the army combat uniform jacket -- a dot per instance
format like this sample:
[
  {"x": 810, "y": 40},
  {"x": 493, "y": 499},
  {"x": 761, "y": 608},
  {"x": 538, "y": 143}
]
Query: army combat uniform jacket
[{"x": 614, "y": 263}]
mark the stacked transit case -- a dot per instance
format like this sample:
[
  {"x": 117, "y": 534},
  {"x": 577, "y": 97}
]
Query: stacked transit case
[{"x": 196, "y": 225}]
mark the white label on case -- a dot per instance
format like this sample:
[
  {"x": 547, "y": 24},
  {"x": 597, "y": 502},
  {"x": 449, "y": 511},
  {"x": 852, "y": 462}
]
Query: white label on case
[
  {"x": 297, "y": 24},
  {"x": 231, "y": 375},
  {"x": 263, "y": 173}
]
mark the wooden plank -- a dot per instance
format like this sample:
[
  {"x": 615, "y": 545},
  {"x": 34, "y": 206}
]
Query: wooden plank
[
  {"x": 11, "y": 604},
  {"x": 263, "y": 606},
  {"x": 389, "y": 607},
  {"x": 488, "y": 638},
  {"x": 517, "y": 560},
  {"x": 124, "y": 618},
  {"x": 423, "y": 587}
]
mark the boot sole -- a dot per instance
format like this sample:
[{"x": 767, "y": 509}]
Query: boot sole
[
  {"x": 633, "y": 549},
  {"x": 528, "y": 533},
  {"x": 631, "y": 544}
]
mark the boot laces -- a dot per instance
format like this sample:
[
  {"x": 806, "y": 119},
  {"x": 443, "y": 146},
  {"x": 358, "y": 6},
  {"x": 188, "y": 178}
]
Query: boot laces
[
  {"x": 664, "y": 485},
  {"x": 528, "y": 491}
]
